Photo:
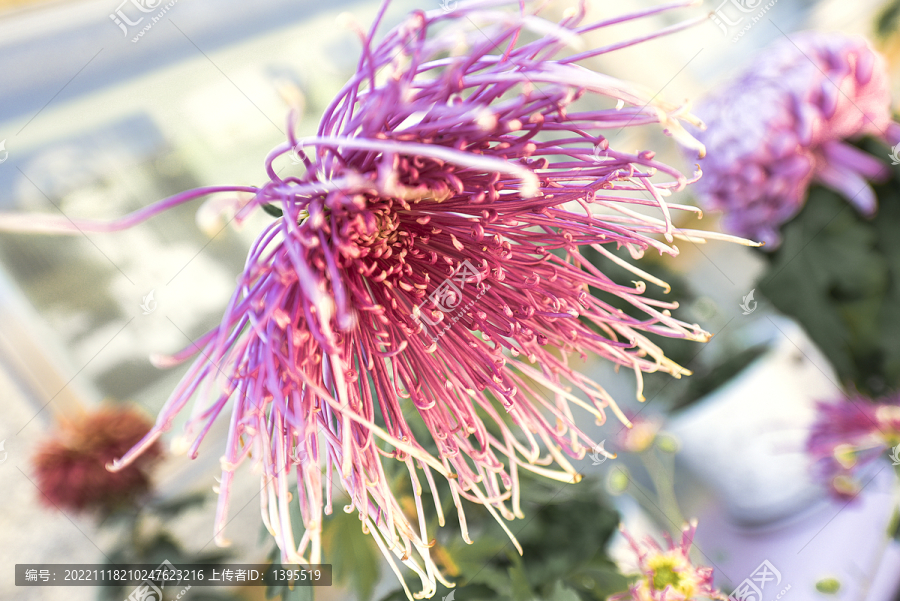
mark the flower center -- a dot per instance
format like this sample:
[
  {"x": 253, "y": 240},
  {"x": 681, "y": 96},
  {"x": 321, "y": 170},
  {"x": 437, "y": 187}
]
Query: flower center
[
  {"x": 664, "y": 575},
  {"x": 672, "y": 570}
]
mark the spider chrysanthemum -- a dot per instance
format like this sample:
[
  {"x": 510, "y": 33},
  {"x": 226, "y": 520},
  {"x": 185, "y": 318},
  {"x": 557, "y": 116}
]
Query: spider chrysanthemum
[{"x": 425, "y": 273}]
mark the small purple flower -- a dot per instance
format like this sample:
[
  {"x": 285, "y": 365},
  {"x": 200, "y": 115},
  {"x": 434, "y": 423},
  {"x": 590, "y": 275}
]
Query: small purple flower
[
  {"x": 849, "y": 435},
  {"x": 425, "y": 274},
  {"x": 783, "y": 123}
]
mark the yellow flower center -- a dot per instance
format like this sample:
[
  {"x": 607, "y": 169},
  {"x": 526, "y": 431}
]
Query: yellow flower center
[
  {"x": 671, "y": 569},
  {"x": 664, "y": 576}
]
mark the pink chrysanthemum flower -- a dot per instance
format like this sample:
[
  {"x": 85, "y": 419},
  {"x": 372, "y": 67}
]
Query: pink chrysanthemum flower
[
  {"x": 70, "y": 465},
  {"x": 783, "y": 123},
  {"x": 851, "y": 434},
  {"x": 425, "y": 271},
  {"x": 668, "y": 574}
]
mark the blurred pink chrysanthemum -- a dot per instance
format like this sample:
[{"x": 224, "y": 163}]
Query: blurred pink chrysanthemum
[
  {"x": 784, "y": 123},
  {"x": 668, "y": 574},
  {"x": 70, "y": 466},
  {"x": 851, "y": 434},
  {"x": 425, "y": 270}
]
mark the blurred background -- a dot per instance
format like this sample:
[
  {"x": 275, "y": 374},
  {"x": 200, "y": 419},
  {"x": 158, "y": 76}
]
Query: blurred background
[{"x": 99, "y": 116}]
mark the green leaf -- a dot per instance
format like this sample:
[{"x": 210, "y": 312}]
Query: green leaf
[
  {"x": 355, "y": 558},
  {"x": 599, "y": 580},
  {"x": 564, "y": 536},
  {"x": 838, "y": 274},
  {"x": 888, "y": 21},
  {"x": 518, "y": 577},
  {"x": 561, "y": 592},
  {"x": 172, "y": 507}
]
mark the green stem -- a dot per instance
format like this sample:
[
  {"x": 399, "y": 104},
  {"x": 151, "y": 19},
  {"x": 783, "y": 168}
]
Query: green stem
[
  {"x": 645, "y": 500},
  {"x": 664, "y": 483}
]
